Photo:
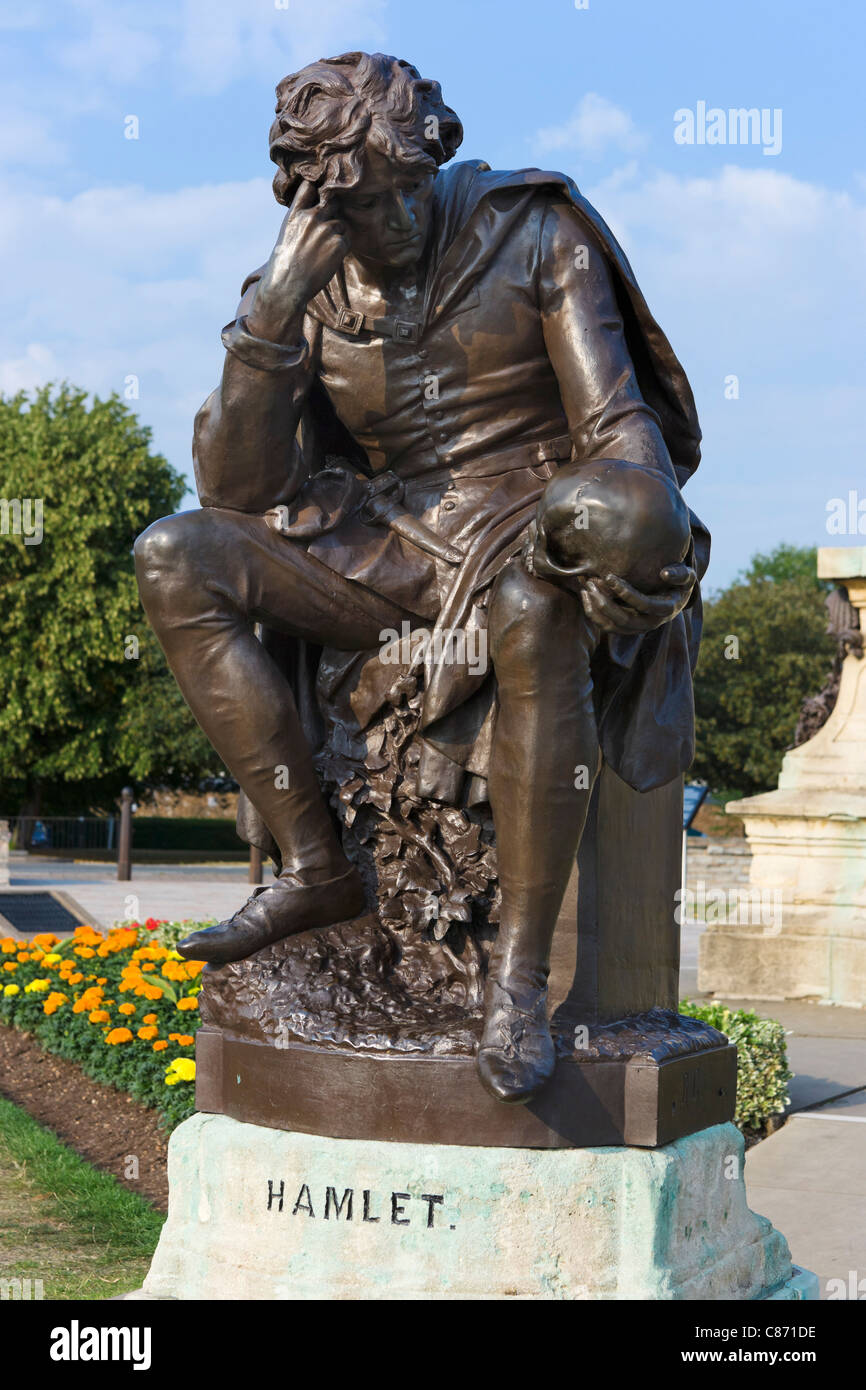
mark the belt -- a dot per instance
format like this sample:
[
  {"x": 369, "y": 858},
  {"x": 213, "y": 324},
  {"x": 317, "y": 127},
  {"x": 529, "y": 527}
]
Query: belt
[{"x": 384, "y": 492}]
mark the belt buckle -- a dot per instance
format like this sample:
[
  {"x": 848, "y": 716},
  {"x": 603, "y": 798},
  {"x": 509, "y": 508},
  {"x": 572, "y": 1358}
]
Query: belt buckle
[
  {"x": 350, "y": 321},
  {"x": 405, "y": 331}
]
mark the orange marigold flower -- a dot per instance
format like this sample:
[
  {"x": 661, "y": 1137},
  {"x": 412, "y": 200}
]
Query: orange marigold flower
[
  {"x": 150, "y": 1018},
  {"x": 86, "y": 952},
  {"x": 88, "y": 935},
  {"x": 118, "y": 1035},
  {"x": 126, "y": 1008},
  {"x": 152, "y": 992},
  {"x": 194, "y": 968},
  {"x": 10, "y": 965},
  {"x": 22, "y": 957},
  {"x": 190, "y": 1002},
  {"x": 185, "y": 1039},
  {"x": 100, "y": 1016},
  {"x": 160, "y": 1046},
  {"x": 45, "y": 940},
  {"x": 76, "y": 978},
  {"x": 8, "y": 945},
  {"x": 148, "y": 1033}
]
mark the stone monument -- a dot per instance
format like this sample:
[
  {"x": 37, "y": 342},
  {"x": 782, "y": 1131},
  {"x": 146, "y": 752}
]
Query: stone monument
[
  {"x": 438, "y": 615},
  {"x": 808, "y": 842}
]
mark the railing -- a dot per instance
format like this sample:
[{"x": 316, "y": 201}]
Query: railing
[{"x": 45, "y": 833}]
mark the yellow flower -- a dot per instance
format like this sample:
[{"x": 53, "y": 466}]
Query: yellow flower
[
  {"x": 37, "y": 986},
  {"x": 11, "y": 989},
  {"x": 181, "y": 1069},
  {"x": 190, "y": 1002},
  {"x": 126, "y": 1008},
  {"x": 52, "y": 958},
  {"x": 118, "y": 1035},
  {"x": 147, "y": 1033}
]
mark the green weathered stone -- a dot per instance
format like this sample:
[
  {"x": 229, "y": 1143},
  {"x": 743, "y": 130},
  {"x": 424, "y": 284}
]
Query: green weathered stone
[{"x": 262, "y": 1213}]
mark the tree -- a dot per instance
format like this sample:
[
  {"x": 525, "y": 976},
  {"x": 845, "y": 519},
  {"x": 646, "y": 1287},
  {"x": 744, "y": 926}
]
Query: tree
[
  {"x": 798, "y": 563},
  {"x": 765, "y": 648},
  {"x": 86, "y": 700}
]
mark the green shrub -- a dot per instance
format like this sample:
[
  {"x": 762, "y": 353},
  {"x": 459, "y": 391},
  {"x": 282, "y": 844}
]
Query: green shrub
[{"x": 762, "y": 1060}]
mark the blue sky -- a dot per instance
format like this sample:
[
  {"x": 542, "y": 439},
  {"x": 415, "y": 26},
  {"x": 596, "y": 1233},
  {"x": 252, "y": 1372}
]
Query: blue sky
[{"x": 124, "y": 257}]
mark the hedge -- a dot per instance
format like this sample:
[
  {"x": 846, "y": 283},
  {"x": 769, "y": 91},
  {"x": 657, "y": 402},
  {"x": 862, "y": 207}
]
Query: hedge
[
  {"x": 122, "y": 1004},
  {"x": 762, "y": 1060}
]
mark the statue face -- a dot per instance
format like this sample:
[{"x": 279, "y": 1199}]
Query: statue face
[{"x": 388, "y": 213}]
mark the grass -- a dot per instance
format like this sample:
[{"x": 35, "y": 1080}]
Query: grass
[{"x": 76, "y": 1229}]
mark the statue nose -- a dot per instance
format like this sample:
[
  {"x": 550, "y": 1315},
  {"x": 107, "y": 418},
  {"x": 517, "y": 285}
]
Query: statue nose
[{"x": 400, "y": 217}]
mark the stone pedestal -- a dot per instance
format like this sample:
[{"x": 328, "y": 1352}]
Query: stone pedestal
[
  {"x": 808, "y": 842},
  {"x": 258, "y": 1213}
]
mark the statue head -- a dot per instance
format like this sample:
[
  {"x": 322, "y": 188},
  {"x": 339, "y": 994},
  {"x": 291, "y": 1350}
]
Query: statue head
[{"x": 370, "y": 132}]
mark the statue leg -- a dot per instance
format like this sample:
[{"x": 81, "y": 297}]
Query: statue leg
[
  {"x": 204, "y": 577},
  {"x": 541, "y": 646}
]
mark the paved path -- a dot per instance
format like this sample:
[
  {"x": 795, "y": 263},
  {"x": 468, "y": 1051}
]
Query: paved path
[
  {"x": 809, "y": 1177},
  {"x": 176, "y": 892}
]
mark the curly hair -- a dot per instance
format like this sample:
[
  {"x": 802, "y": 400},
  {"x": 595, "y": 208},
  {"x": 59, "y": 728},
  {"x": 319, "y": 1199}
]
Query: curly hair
[{"x": 327, "y": 112}]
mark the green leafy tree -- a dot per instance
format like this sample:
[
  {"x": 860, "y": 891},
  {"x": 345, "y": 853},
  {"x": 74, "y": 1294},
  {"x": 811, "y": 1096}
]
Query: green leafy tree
[
  {"x": 86, "y": 701},
  {"x": 764, "y": 650},
  {"x": 797, "y": 563}
]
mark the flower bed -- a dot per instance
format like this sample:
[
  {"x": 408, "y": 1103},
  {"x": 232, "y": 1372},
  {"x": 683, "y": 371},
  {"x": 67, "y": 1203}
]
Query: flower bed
[{"x": 122, "y": 1004}]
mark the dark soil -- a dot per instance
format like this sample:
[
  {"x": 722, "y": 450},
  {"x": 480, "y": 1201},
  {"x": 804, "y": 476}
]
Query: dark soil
[{"x": 104, "y": 1126}]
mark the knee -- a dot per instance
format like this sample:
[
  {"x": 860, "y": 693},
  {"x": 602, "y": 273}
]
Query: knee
[
  {"x": 169, "y": 552},
  {"x": 528, "y": 613}
]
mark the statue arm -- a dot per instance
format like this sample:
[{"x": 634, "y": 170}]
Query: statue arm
[
  {"x": 245, "y": 452},
  {"x": 585, "y": 339},
  {"x": 607, "y": 415}
]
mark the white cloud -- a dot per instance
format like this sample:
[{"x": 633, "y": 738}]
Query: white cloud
[
  {"x": 595, "y": 127},
  {"x": 118, "y": 282},
  {"x": 750, "y": 272},
  {"x": 97, "y": 52},
  {"x": 758, "y": 274}
]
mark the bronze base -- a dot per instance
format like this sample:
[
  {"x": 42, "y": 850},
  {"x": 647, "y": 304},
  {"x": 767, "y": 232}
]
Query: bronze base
[{"x": 419, "y": 1098}]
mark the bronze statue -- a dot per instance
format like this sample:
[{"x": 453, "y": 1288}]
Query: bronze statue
[{"x": 445, "y": 408}]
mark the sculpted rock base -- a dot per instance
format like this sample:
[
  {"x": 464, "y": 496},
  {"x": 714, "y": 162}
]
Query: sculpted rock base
[{"x": 261, "y": 1214}]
